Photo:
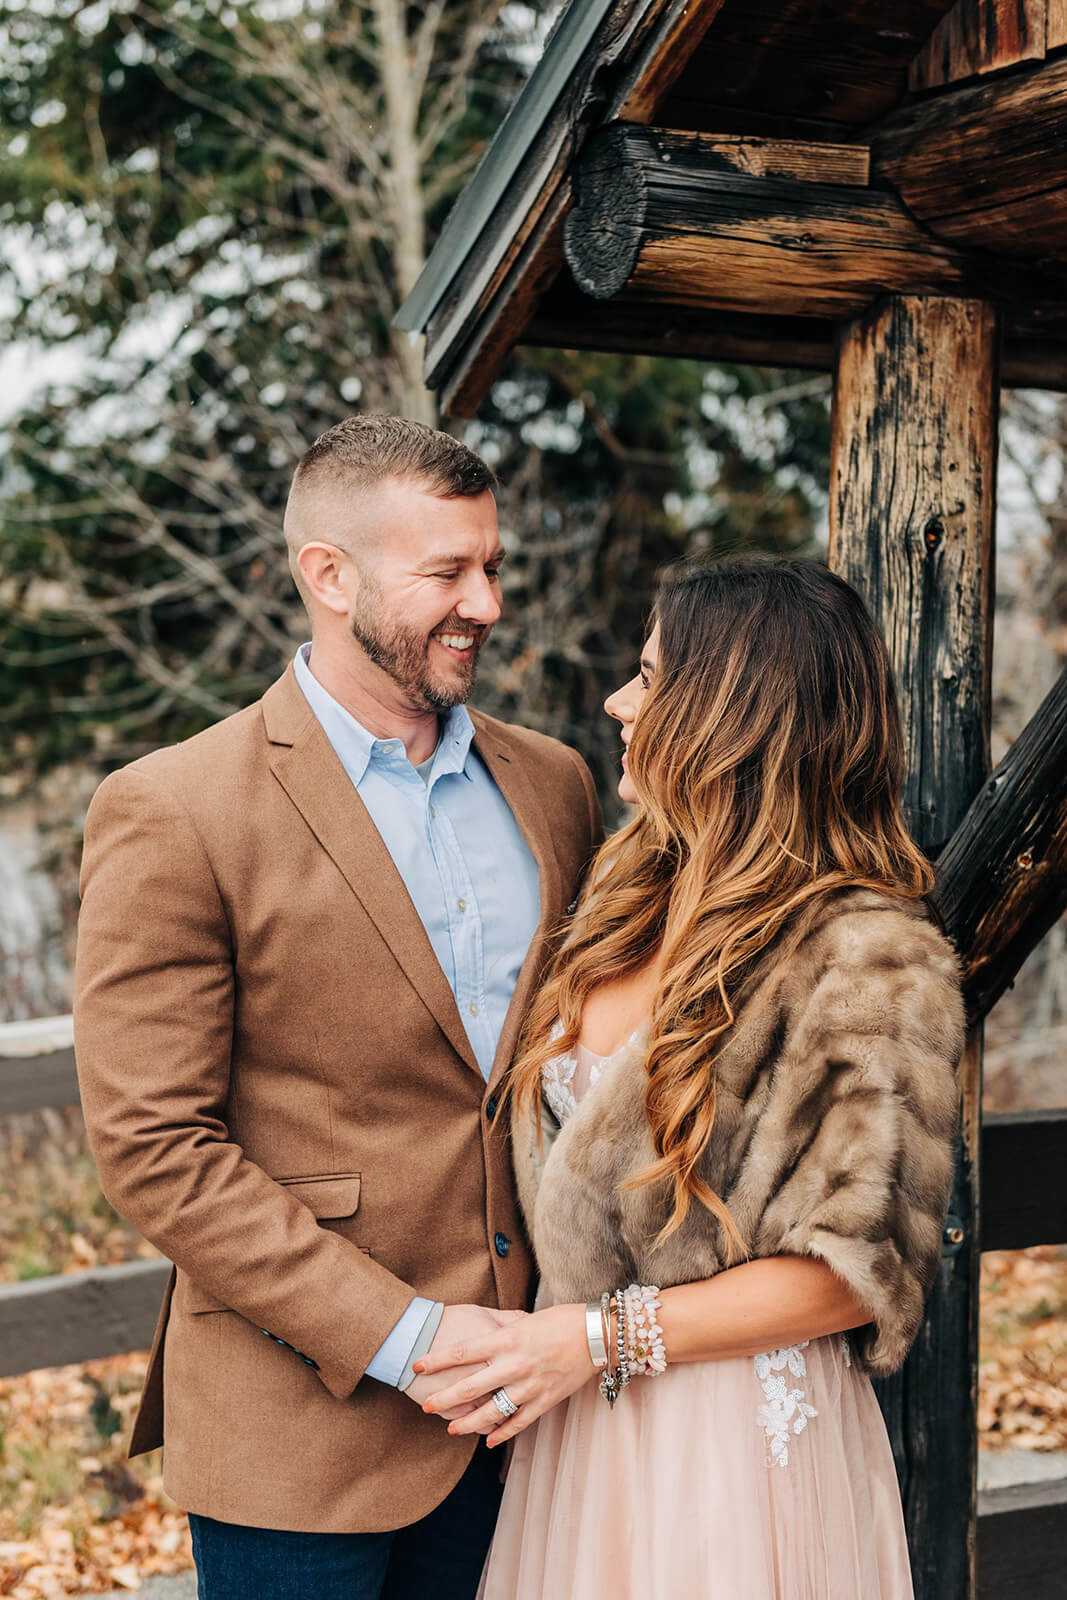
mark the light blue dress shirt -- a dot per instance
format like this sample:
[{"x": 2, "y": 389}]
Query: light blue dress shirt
[{"x": 471, "y": 876}]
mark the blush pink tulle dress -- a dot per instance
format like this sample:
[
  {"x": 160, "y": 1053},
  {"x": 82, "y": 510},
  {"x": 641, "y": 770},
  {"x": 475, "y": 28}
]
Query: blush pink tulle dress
[{"x": 757, "y": 1478}]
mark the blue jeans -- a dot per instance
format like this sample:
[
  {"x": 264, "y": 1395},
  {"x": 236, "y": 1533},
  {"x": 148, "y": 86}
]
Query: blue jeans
[{"x": 440, "y": 1557}]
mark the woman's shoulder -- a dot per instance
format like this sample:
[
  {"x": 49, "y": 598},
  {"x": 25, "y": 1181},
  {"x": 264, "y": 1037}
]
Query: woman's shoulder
[
  {"x": 871, "y": 962},
  {"x": 873, "y": 928}
]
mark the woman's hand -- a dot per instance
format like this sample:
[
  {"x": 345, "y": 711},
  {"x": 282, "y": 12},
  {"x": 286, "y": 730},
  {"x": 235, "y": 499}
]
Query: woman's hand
[{"x": 539, "y": 1359}]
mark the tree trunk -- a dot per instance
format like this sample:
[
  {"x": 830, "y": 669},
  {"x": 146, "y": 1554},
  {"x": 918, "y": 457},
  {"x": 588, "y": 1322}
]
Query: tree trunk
[
  {"x": 913, "y": 462},
  {"x": 405, "y": 194}
]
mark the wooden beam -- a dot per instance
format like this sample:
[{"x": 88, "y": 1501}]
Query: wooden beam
[
  {"x": 38, "y": 1081},
  {"x": 51, "y": 1322},
  {"x": 463, "y": 373},
  {"x": 564, "y": 318},
  {"x": 912, "y": 495},
  {"x": 839, "y": 63},
  {"x": 913, "y": 455},
  {"x": 983, "y": 167},
  {"x": 1056, "y": 25},
  {"x": 1002, "y": 878},
  {"x": 1024, "y": 1197},
  {"x": 1022, "y": 1542},
  {"x": 980, "y": 36},
  {"x": 663, "y": 216},
  {"x": 37, "y": 1065},
  {"x": 660, "y": 53}
]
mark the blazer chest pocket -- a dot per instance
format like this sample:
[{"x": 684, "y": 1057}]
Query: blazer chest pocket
[{"x": 331, "y": 1197}]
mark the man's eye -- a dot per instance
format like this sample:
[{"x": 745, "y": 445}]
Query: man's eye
[
  {"x": 492, "y": 573},
  {"x": 449, "y": 577}
]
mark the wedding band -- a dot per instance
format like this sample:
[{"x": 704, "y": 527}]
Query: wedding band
[{"x": 504, "y": 1403}]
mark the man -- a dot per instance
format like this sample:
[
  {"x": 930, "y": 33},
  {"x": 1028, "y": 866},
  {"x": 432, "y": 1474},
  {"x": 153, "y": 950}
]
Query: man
[{"x": 307, "y": 939}]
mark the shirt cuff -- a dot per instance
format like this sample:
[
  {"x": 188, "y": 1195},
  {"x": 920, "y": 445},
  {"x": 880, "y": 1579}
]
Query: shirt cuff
[{"x": 391, "y": 1360}]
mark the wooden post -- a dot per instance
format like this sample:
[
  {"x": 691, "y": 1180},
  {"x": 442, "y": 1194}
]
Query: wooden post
[{"x": 912, "y": 488}]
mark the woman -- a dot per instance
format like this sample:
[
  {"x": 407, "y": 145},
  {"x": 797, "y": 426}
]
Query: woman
[{"x": 736, "y": 1094}]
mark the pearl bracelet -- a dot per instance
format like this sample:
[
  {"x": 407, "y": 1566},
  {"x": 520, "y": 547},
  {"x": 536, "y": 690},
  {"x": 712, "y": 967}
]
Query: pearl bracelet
[{"x": 645, "y": 1349}]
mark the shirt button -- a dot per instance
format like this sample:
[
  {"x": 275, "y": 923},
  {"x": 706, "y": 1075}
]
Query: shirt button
[
  {"x": 433, "y": 811},
  {"x": 491, "y": 1107},
  {"x": 473, "y": 1008},
  {"x": 501, "y": 1244},
  {"x": 462, "y": 904}
]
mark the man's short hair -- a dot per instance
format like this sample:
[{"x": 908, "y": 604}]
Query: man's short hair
[{"x": 364, "y": 451}]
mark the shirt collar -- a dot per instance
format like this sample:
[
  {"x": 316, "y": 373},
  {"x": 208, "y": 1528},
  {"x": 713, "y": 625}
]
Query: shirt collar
[{"x": 356, "y": 747}]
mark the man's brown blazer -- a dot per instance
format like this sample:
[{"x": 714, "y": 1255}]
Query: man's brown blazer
[{"x": 280, "y": 1094}]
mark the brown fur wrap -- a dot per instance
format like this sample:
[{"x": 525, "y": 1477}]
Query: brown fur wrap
[{"x": 836, "y": 1114}]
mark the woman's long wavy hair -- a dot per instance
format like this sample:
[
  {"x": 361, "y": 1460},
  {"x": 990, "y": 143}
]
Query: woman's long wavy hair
[{"x": 768, "y": 759}]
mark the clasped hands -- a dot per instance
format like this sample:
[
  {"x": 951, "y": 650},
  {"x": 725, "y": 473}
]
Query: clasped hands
[{"x": 539, "y": 1358}]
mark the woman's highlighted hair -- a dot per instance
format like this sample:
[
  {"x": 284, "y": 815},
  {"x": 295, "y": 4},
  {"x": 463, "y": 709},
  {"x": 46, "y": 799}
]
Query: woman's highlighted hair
[{"x": 768, "y": 757}]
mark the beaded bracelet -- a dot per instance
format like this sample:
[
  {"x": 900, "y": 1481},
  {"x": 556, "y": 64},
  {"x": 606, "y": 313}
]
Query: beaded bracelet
[{"x": 645, "y": 1349}]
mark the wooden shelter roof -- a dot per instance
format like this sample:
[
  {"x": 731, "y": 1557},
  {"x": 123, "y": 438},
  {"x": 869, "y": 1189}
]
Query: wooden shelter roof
[{"x": 929, "y": 133}]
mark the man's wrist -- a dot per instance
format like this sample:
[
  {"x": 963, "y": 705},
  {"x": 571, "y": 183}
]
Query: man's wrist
[{"x": 426, "y": 1337}]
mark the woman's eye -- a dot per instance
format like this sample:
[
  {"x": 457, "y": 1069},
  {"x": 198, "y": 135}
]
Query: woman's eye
[{"x": 645, "y": 682}]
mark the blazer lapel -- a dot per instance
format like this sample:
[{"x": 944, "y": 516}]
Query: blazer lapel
[
  {"x": 508, "y": 770},
  {"x": 306, "y": 766}
]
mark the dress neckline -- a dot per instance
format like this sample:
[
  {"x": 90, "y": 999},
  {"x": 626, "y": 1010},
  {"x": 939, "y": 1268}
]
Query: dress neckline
[{"x": 595, "y": 1055}]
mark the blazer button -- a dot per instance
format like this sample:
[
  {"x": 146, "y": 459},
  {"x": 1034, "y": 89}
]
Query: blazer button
[
  {"x": 501, "y": 1244},
  {"x": 491, "y": 1107}
]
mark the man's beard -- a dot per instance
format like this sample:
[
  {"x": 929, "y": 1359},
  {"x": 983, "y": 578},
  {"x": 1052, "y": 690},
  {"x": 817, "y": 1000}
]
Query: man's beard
[{"x": 405, "y": 654}]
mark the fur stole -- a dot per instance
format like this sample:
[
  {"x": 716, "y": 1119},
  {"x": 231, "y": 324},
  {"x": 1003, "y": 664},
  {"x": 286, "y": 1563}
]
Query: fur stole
[{"x": 836, "y": 1116}]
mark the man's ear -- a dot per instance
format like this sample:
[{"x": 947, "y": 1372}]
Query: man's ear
[{"x": 328, "y": 573}]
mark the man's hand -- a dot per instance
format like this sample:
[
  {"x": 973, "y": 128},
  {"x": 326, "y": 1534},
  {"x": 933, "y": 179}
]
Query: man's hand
[
  {"x": 538, "y": 1359},
  {"x": 458, "y": 1326}
]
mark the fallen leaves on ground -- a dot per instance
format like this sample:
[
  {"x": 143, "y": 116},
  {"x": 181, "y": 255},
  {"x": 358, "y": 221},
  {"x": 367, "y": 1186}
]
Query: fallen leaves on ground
[
  {"x": 75, "y": 1516},
  {"x": 1022, "y": 1374},
  {"x": 54, "y": 1218}
]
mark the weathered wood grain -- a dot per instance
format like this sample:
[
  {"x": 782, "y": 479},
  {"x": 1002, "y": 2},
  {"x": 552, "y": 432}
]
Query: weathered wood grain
[
  {"x": 1002, "y": 878},
  {"x": 912, "y": 495},
  {"x": 983, "y": 167},
  {"x": 913, "y": 468},
  {"x": 564, "y": 318},
  {"x": 666, "y": 216},
  {"x": 50, "y": 1322},
  {"x": 979, "y": 36},
  {"x": 1056, "y": 25},
  {"x": 809, "y": 160},
  {"x": 841, "y": 63},
  {"x": 667, "y": 40},
  {"x": 463, "y": 382}
]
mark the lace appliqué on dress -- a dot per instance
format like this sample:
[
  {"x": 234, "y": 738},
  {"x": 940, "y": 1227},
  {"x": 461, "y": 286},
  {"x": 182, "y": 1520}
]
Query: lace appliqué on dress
[
  {"x": 557, "y": 1080},
  {"x": 557, "y": 1077},
  {"x": 785, "y": 1410}
]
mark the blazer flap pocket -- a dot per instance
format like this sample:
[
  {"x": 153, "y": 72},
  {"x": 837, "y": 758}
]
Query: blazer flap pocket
[{"x": 335, "y": 1195}]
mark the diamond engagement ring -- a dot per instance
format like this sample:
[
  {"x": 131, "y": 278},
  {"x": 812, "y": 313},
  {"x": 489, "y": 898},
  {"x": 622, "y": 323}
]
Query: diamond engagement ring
[{"x": 504, "y": 1403}]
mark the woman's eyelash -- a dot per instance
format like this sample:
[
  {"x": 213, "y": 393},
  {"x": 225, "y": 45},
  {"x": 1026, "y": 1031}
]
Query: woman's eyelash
[{"x": 644, "y": 681}]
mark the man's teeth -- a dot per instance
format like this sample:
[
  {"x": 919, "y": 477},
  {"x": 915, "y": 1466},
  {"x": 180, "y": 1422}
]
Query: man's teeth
[{"x": 455, "y": 641}]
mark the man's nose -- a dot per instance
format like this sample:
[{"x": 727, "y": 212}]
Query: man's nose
[{"x": 479, "y": 602}]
